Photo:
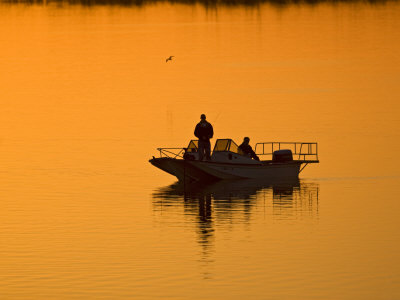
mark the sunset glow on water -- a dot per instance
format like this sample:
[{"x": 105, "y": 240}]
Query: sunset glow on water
[{"x": 87, "y": 96}]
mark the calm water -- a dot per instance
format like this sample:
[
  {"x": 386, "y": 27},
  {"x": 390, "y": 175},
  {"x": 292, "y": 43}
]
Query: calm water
[{"x": 86, "y": 97}]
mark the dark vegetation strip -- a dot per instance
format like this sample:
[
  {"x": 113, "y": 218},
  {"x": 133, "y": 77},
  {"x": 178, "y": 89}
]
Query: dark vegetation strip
[{"x": 203, "y": 2}]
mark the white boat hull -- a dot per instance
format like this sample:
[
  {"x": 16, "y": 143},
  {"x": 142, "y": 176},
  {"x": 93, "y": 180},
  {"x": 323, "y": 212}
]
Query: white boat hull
[
  {"x": 236, "y": 171},
  {"x": 209, "y": 170}
]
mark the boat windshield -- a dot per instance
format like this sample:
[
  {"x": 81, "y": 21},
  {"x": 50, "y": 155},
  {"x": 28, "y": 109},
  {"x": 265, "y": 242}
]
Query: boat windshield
[
  {"x": 193, "y": 146},
  {"x": 226, "y": 145}
]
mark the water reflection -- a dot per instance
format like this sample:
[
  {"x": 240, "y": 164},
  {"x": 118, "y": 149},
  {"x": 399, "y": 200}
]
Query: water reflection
[{"x": 221, "y": 205}]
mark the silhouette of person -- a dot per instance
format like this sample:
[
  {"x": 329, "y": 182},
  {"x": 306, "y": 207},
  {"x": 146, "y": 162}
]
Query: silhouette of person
[
  {"x": 204, "y": 132},
  {"x": 247, "y": 150}
]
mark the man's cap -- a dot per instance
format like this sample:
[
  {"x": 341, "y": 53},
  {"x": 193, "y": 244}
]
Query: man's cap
[{"x": 203, "y": 116}]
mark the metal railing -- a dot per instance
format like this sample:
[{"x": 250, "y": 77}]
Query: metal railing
[
  {"x": 300, "y": 150},
  {"x": 172, "y": 152}
]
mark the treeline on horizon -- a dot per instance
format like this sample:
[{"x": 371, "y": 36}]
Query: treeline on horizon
[{"x": 209, "y": 3}]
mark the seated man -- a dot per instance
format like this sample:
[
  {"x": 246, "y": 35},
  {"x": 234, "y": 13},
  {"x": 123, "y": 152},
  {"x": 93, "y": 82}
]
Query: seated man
[{"x": 247, "y": 150}]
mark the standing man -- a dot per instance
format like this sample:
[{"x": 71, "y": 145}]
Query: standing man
[{"x": 204, "y": 132}]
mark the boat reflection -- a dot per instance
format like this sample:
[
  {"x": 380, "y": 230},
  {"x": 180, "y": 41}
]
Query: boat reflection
[
  {"x": 225, "y": 204},
  {"x": 232, "y": 194}
]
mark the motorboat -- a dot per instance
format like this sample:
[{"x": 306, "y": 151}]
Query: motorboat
[{"x": 277, "y": 160}]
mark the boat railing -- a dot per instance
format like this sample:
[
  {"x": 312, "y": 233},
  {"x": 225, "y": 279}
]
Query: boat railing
[
  {"x": 172, "y": 152},
  {"x": 307, "y": 152}
]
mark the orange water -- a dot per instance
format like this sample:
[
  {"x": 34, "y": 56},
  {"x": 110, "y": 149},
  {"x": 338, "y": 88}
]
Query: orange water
[{"x": 86, "y": 97}]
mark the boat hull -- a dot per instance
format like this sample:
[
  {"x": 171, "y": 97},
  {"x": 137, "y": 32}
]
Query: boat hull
[
  {"x": 209, "y": 170},
  {"x": 237, "y": 171},
  {"x": 181, "y": 169}
]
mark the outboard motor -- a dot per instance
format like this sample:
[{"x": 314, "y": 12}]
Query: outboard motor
[{"x": 282, "y": 156}]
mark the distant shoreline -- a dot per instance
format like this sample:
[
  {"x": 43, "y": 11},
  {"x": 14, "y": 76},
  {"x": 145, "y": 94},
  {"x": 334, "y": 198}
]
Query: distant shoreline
[{"x": 207, "y": 3}]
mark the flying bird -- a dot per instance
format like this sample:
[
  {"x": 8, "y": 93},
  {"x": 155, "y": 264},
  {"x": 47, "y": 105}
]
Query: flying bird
[{"x": 169, "y": 58}]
